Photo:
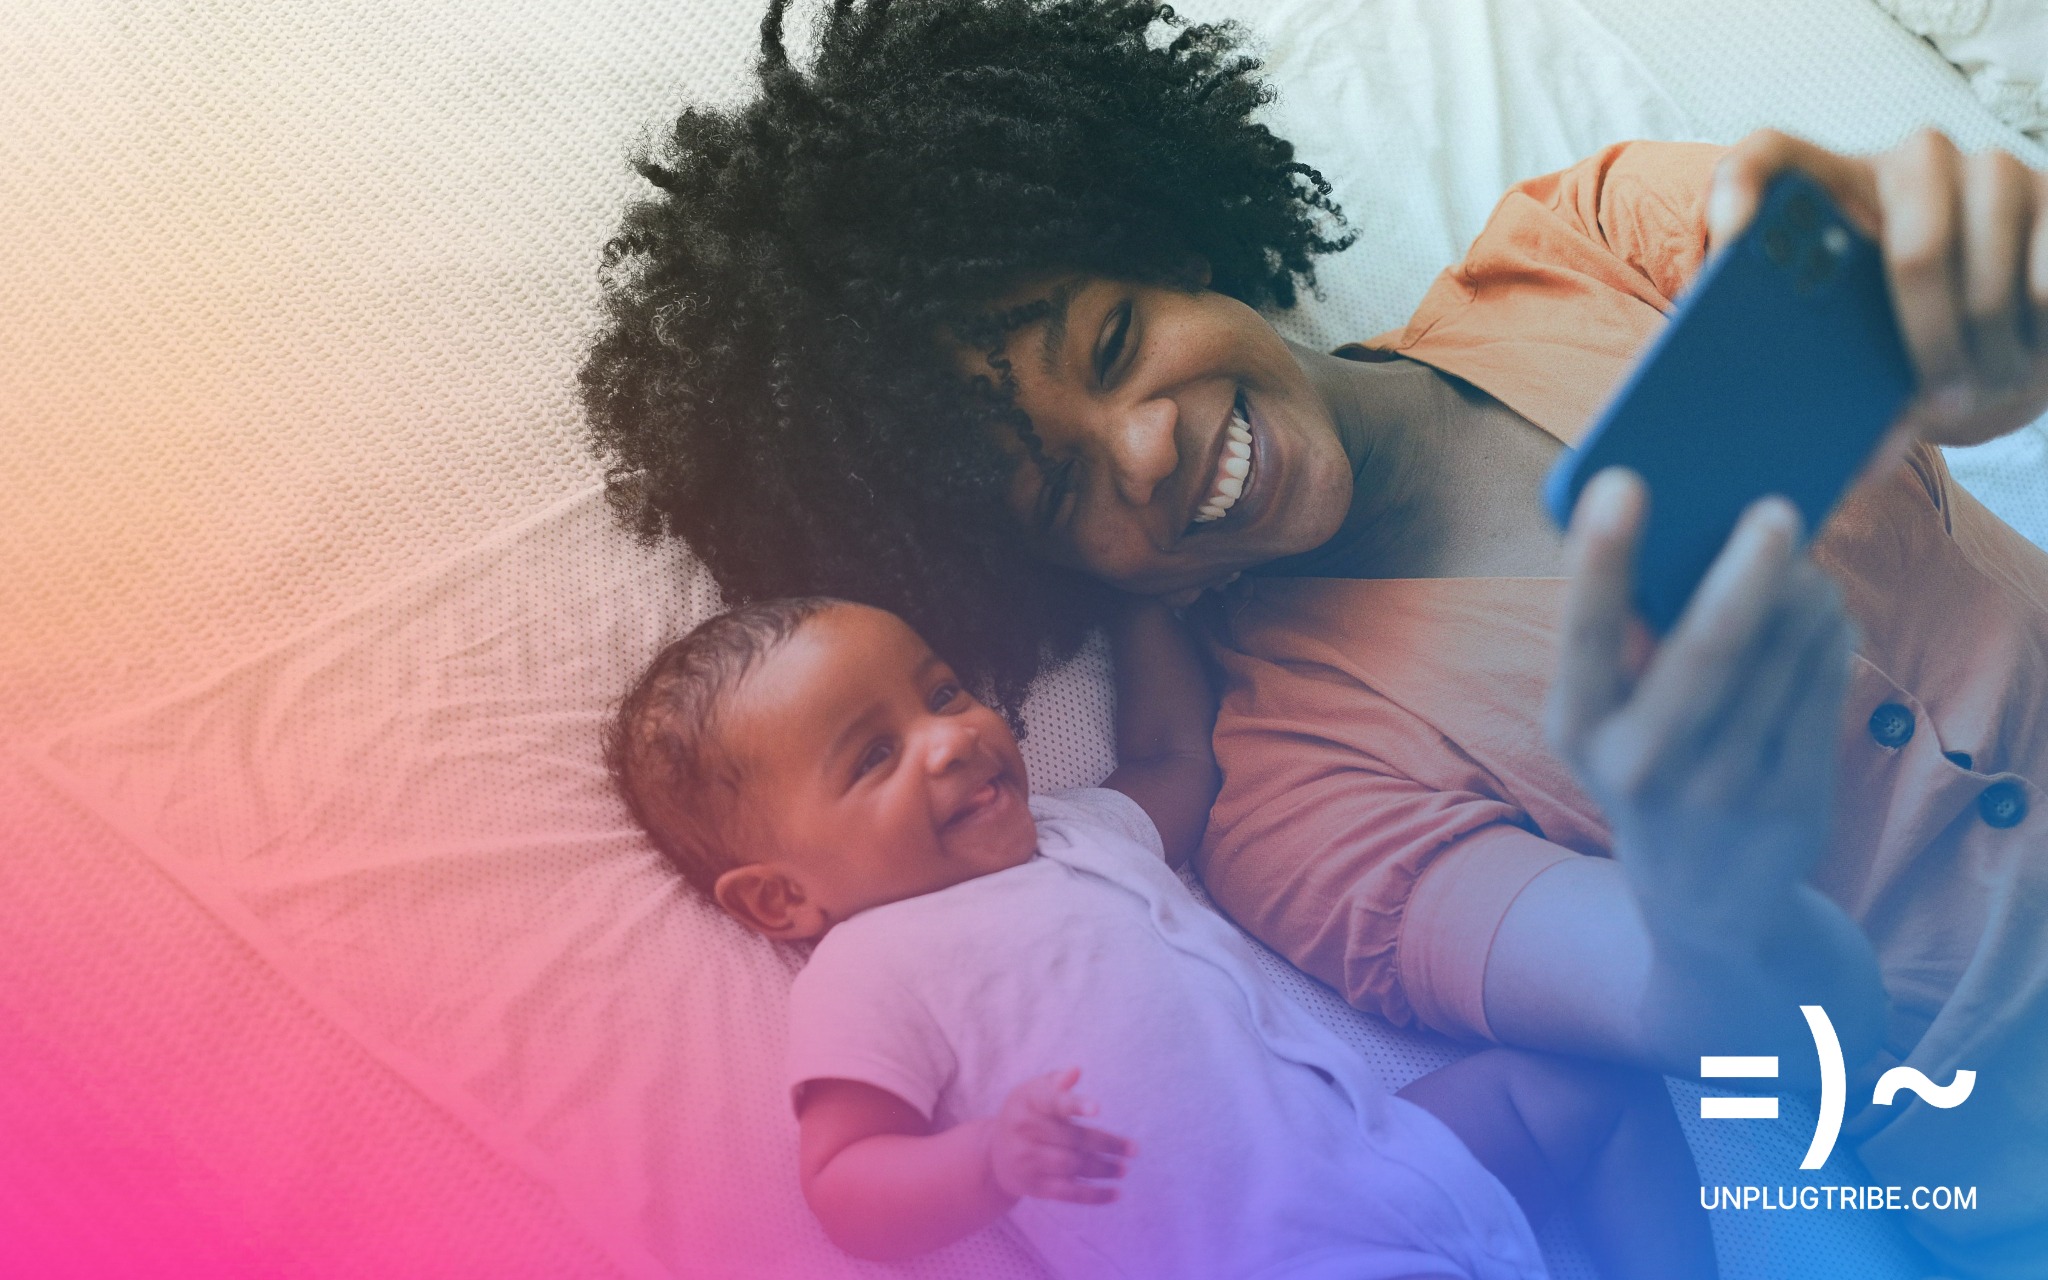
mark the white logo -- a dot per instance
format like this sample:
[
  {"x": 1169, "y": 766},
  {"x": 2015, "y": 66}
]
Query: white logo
[{"x": 1834, "y": 1087}]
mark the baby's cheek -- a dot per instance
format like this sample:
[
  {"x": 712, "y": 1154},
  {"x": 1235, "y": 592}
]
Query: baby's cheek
[{"x": 1020, "y": 836}]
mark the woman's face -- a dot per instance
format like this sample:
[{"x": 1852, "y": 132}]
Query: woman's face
[{"x": 1183, "y": 441}]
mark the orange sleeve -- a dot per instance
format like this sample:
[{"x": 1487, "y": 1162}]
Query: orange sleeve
[
  {"x": 1571, "y": 275},
  {"x": 1387, "y": 885}
]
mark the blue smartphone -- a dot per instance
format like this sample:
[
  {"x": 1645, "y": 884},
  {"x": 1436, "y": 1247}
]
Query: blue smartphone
[{"x": 1779, "y": 372}]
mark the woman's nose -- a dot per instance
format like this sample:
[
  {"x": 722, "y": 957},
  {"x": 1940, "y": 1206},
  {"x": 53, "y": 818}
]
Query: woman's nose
[{"x": 1143, "y": 452}]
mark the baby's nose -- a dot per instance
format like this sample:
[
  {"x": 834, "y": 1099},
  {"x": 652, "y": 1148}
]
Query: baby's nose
[{"x": 949, "y": 742}]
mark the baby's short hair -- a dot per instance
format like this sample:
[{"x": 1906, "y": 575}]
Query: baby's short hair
[{"x": 662, "y": 747}]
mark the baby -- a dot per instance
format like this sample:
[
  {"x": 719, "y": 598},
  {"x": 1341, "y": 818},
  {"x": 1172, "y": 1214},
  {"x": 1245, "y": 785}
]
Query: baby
[{"x": 981, "y": 953}]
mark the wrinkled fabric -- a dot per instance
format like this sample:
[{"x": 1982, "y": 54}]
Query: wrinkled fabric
[{"x": 1094, "y": 955}]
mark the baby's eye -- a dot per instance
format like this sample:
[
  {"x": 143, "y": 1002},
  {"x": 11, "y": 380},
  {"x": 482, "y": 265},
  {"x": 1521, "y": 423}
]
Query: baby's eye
[
  {"x": 870, "y": 760},
  {"x": 946, "y": 695}
]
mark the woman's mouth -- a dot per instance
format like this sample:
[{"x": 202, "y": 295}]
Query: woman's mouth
[{"x": 1233, "y": 467}]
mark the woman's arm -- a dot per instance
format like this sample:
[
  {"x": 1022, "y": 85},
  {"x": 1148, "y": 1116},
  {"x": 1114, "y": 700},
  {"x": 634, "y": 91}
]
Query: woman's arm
[
  {"x": 1165, "y": 714},
  {"x": 1574, "y": 969},
  {"x": 884, "y": 1186}
]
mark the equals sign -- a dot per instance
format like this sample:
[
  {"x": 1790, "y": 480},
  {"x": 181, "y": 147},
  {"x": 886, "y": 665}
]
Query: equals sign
[{"x": 1738, "y": 1068}]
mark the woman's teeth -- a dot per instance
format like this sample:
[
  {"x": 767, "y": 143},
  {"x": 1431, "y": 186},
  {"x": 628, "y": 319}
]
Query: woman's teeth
[{"x": 1232, "y": 471}]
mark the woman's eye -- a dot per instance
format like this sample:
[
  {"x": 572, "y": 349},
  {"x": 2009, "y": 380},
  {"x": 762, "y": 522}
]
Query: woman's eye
[
  {"x": 945, "y": 696},
  {"x": 870, "y": 760},
  {"x": 1113, "y": 346}
]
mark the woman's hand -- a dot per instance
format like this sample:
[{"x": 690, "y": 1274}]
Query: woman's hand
[
  {"x": 1037, "y": 1148},
  {"x": 1965, "y": 242},
  {"x": 1713, "y": 755}
]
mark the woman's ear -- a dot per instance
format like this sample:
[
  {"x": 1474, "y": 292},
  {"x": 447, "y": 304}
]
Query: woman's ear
[{"x": 770, "y": 901}]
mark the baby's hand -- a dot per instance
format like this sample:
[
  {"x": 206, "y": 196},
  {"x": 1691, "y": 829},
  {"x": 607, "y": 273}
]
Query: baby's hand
[{"x": 1036, "y": 1149}]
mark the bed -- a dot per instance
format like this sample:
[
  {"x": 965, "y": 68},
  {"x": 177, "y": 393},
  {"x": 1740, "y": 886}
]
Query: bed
[{"x": 324, "y": 950}]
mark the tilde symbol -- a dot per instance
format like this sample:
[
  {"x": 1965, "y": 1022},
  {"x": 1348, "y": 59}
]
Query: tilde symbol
[{"x": 1834, "y": 1087}]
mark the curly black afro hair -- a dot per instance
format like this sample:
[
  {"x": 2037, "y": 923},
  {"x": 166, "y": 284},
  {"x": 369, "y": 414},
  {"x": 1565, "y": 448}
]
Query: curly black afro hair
[{"x": 777, "y": 380}]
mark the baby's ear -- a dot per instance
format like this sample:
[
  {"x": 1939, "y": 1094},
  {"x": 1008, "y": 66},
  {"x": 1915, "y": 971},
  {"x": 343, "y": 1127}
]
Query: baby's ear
[{"x": 768, "y": 900}]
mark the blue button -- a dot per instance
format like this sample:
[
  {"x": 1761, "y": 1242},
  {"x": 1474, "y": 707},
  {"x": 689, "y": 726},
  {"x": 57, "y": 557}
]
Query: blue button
[
  {"x": 1892, "y": 725},
  {"x": 2002, "y": 804}
]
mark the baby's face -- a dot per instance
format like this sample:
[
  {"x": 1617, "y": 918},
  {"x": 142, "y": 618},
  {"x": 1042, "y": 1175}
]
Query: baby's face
[{"x": 868, "y": 773}]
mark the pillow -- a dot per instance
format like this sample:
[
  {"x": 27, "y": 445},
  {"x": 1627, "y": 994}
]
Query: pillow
[{"x": 2000, "y": 46}]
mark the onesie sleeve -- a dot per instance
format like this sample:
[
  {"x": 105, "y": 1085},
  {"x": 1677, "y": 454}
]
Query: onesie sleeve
[{"x": 852, "y": 1016}]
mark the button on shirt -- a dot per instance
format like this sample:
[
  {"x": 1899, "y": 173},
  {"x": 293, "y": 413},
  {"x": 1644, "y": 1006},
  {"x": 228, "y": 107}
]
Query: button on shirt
[
  {"x": 1387, "y": 790},
  {"x": 1892, "y": 725}
]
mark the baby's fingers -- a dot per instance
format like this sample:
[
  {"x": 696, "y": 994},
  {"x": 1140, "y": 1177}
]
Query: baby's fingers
[
  {"x": 1075, "y": 1191},
  {"x": 1052, "y": 1095},
  {"x": 1059, "y": 1173},
  {"x": 1065, "y": 1135}
]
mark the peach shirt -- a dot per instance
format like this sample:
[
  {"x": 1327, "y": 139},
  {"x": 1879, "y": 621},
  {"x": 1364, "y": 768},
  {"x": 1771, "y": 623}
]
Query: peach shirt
[{"x": 1387, "y": 792}]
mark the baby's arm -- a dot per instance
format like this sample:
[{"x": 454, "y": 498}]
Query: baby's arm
[
  {"x": 1165, "y": 713},
  {"x": 886, "y": 1187}
]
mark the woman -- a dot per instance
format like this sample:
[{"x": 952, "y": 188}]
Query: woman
[{"x": 961, "y": 320}]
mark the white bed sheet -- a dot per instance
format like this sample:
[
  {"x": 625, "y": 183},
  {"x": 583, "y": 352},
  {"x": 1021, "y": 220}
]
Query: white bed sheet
[{"x": 292, "y": 347}]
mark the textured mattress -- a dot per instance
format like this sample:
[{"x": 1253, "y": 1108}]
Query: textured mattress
[{"x": 323, "y": 949}]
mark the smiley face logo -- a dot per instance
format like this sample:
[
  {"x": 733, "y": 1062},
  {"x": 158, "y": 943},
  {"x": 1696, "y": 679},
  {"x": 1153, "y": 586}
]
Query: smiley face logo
[{"x": 1834, "y": 1087}]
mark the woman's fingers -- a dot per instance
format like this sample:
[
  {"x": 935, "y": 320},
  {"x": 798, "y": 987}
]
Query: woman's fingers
[
  {"x": 1747, "y": 752},
  {"x": 1998, "y": 202},
  {"x": 1698, "y": 674},
  {"x": 1594, "y": 677},
  {"x": 2037, "y": 270},
  {"x": 1805, "y": 755},
  {"x": 1994, "y": 375},
  {"x": 1965, "y": 242},
  {"x": 1749, "y": 166},
  {"x": 1966, "y": 251},
  {"x": 1919, "y": 184}
]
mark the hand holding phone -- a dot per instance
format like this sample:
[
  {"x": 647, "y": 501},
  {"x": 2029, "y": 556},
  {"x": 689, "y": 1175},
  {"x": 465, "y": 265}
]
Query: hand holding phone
[{"x": 1779, "y": 373}]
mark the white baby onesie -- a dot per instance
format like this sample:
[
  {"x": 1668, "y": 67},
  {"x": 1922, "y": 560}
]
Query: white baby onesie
[{"x": 1265, "y": 1147}]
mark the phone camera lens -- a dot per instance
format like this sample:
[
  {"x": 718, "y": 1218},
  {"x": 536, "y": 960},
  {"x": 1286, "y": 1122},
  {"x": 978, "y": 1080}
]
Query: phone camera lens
[
  {"x": 1778, "y": 245},
  {"x": 1801, "y": 212},
  {"x": 1835, "y": 240}
]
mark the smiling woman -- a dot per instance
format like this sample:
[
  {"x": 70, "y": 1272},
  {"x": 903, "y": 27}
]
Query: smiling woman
[
  {"x": 964, "y": 320},
  {"x": 1165, "y": 421},
  {"x": 776, "y": 376}
]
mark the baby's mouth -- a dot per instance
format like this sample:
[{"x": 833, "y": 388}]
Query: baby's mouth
[
  {"x": 978, "y": 801},
  {"x": 1233, "y": 474}
]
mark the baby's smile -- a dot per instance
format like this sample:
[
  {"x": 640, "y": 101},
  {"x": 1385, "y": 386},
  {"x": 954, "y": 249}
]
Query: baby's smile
[{"x": 872, "y": 775}]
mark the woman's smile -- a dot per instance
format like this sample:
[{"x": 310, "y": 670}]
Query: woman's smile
[
  {"x": 1234, "y": 464},
  {"x": 1182, "y": 440}
]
